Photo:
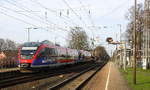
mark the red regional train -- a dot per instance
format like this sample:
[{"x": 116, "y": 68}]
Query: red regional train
[{"x": 36, "y": 55}]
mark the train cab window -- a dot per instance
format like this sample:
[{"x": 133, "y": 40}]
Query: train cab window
[{"x": 27, "y": 54}]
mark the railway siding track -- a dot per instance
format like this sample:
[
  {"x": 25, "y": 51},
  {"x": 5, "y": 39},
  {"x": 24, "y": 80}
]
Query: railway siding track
[
  {"x": 10, "y": 74},
  {"x": 77, "y": 81},
  {"x": 26, "y": 78},
  {"x": 8, "y": 82}
]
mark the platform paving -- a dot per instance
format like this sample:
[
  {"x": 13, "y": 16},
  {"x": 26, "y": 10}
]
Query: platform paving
[{"x": 108, "y": 78}]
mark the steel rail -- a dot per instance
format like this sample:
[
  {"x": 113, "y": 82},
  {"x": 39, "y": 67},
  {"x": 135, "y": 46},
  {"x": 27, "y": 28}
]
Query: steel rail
[
  {"x": 63, "y": 83},
  {"x": 31, "y": 77},
  {"x": 88, "y": 79}
]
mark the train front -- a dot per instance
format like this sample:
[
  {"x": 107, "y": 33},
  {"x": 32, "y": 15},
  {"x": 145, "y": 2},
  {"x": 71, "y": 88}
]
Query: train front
[{"x": 26, "y": 56}]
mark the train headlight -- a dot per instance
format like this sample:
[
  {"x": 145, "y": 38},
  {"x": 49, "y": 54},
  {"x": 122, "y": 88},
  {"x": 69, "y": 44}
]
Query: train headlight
[
  {"x": 18, "y": 65},
  {"x": 25, "y": 65}
]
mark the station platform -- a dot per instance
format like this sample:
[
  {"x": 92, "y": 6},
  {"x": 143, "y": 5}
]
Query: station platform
[
  {"x": 8, "y": 69},
  {"x": 108, "y": 78}
]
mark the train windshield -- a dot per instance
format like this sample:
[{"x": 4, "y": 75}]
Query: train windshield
[{"x": 28, "y": 52}]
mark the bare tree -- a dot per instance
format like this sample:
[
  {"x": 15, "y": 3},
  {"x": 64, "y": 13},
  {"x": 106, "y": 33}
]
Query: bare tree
[
  {"x": 2, "y": 42},
  {"x": 9, "y": 51},
  {"x": 10, "y": 45},
  {"x": 7, "y": 45},
  {"x": 140, "y": 24},
  {"x": 78, "y": 39},
  {"x": 139, "y": 28}
]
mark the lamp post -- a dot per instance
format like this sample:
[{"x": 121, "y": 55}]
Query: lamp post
[
  {"x": 121, "y": 56},
  {"x": 28, "y": 29}
]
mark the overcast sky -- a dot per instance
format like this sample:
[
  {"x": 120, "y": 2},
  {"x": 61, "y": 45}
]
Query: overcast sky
[{"x": 18, "y": 15}]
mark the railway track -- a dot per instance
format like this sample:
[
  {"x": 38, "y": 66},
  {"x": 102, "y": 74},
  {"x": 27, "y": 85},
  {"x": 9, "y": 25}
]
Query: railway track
[
  {"x": 60, "y": 83},
  {"x": 77, "y": 81},
  {"x": 11, "y": 74},
  {"x": 37, "y": 76}
]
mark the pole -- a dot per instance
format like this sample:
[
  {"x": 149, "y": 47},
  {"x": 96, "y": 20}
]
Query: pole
[
  {"x": 146, "y": 40},
  {"x": 116, "y": 44},
  {"x": 125, "y": 55},
  {"x": 28, "y": 34},
  {"x": 120, "y": 31},
  {"x": 120, "y": 50},
  {"x": 121, "y": 61},
  {"x": 28, "y": 30},
  {"x": 55, "y": 40},
  {"x": 148, "y": 32},
  {"x": 134, "y": 48}
]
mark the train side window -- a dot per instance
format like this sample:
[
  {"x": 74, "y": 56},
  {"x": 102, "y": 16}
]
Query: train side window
[
  {"x": 52, "y": 52},
  {"x": 56, "y": 52}
]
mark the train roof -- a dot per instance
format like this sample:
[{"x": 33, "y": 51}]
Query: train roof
[
  {"x": 49, "y": 43},
  {"x": 36, "y": 44}
]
